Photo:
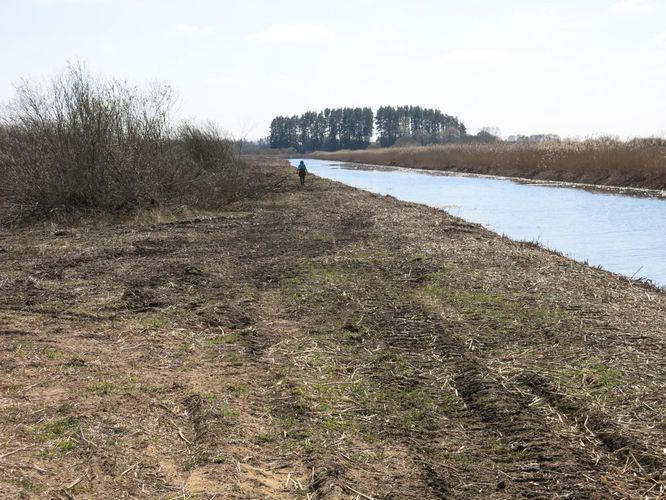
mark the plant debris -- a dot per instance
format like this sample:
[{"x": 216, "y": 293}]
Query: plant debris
[{"x": 323, "y": 342}]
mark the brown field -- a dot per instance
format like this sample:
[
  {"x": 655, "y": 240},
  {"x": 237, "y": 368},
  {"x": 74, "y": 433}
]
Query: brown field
[
  {"x": 322, "y": 343},
  {"x": 638, "y": 163}
]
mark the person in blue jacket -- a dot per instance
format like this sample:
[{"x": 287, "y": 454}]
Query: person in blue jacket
[{"x": 302, "y": 171}]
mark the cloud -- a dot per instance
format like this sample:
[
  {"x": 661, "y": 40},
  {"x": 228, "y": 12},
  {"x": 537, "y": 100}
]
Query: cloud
[
  {"x": 660, "y": 39},
  {"x": 575, "y": 25},
  {"x": 630, "y": 7},
  {"x": 193, "y": 28},
  {"x": 294, "y": 33}
]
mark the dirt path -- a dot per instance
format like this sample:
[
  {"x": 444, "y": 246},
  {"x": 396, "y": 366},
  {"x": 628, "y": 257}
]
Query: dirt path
[{"x": 323, "y": 343}]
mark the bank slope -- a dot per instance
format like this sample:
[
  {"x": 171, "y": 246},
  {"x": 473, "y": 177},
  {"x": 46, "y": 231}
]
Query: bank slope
[{"x": 323, "y": 342}]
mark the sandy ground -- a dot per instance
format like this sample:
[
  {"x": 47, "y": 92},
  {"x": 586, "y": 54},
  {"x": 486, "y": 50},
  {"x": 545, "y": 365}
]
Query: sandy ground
[{"x": 322, "y": 342}]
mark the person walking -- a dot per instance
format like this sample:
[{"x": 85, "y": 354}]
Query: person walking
[{"x": 302, "y": 170}]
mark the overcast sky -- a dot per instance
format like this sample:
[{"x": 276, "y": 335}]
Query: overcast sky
[{"x": 575, "y": 68}]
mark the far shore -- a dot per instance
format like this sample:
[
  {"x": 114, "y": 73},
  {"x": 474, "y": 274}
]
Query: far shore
[
  {"x": 602, "y": 188},
  {"x": 640, "y": 166}
]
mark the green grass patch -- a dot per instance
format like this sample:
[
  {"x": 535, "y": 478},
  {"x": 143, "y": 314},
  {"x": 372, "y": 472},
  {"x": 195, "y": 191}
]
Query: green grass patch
[
  {"x": 238, "y": 388},
  {"x": 227, "y": 412},
  {"x": 498, "y": 312},
  {"x": 499, "y": 447},
  {"x": 51, "y": 353},
  {"x": 66, "y": 445},
  {"x": 102, "y": 388},
  {"x": 155, "y": 323},
  {"x": 64, "y": 407},
  {"x": 265, "y": 437},
  {"x": 227, "y": 338},
  {"x": 26, "y": 484},
  {"x": 591, "y": 375},
  {"x": 340, "y": 423},
  {"x": 152, "y": 389},
  {"x": 58, "y": 428},
  {"x": 319, "y": 286}
]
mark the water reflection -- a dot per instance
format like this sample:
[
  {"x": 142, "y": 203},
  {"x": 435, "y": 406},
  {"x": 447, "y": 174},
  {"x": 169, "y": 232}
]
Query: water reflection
[{"x": 624, "y": 234}]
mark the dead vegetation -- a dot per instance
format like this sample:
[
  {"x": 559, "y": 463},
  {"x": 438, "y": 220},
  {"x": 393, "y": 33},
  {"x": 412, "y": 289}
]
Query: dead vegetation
[
  {"x": 322, "y": 343},
  {"x": 86, "y": 144},
  {"x": 639, "y": 163}
]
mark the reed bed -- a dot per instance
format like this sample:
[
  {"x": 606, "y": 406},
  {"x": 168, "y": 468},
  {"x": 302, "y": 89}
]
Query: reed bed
[{"x": 638, "y": 163}]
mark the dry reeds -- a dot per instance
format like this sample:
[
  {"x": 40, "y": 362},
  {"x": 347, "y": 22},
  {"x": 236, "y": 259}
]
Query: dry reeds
[{"x": 638, "y": 163}]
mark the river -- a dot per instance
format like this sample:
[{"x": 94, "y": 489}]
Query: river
[{"x": 622, "y": 234}]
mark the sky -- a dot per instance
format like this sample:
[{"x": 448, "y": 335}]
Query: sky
[{"x": 570, "y": 67}]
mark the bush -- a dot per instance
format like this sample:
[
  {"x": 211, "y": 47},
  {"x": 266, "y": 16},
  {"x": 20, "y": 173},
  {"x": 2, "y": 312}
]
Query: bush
[
  {"x": 214, "y": 174},
  {"x": 83, "y": 143}
]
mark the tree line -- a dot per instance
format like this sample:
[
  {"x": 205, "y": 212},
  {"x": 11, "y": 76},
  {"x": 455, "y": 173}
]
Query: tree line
[
  {"x": 328, "y": 130},
  {"x": 353, "y": 128},
  {"x": 425, "y": 125}
]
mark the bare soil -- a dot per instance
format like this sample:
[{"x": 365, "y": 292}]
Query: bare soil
[{"x": 322, "y": 342}]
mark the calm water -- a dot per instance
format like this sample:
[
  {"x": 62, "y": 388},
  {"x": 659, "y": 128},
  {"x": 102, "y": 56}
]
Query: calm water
[{"x": 623, "y": 234}]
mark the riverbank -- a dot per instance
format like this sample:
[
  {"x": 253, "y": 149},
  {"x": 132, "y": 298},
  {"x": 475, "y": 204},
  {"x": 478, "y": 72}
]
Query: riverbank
[
  {"x": 323, "y": 342},
  {"x": 639, "y": 164}
]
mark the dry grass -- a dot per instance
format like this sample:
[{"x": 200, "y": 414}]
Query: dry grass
[{"x": 638, "y": 163}]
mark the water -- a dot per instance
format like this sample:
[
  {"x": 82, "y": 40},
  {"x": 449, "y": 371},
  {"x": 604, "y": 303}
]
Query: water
[{"x": 623, "y": 234}]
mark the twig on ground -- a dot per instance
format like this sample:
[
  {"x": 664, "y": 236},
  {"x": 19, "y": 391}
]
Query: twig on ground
[
  {"x": 129, "y": 469},
  {"x": 86, "y": 439},
  {"x": 23, "y": 466},
  {"x": 74, "y": 483},
  {"x": 357, "y": 492},
  {"x": 180, "y": 433},
  {"x": 9, "y": 453}
]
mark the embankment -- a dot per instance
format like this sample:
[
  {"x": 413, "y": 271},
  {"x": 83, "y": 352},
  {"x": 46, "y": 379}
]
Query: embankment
[
  {"x": 640, "y": 164},
  {"x": 322, "y": 342}
]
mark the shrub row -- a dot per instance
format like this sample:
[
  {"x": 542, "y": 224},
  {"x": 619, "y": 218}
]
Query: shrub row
[{"x": 85, "y": 143}]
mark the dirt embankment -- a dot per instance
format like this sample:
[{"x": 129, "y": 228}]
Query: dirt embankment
[
  {"x": 323, "y": 343},
  {"x": 640, "y": 165}
]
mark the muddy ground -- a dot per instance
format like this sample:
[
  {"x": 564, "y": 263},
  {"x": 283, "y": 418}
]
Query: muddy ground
[{"x": 322, "y": 342}]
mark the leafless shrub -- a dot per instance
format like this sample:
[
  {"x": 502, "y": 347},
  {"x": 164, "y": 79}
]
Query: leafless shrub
[
  {"x": 209, "y": 158},
  {"x": 84, "y": 143}
]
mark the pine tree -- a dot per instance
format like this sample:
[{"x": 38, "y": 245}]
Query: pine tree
[{"x": 353, "y": 128}]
